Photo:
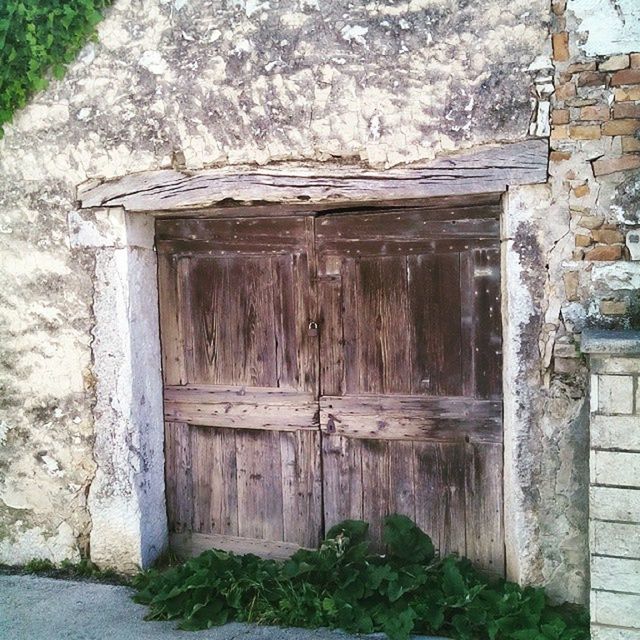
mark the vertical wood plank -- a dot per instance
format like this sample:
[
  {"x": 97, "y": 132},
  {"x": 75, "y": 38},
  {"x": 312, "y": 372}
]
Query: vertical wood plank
[
  {"x": 402, "y": 488},
  {"x": 203, "y": 445},
  {"x": 259, "y": 484},
  {"x": 488, "y": 324},
  {"x": 484, "y": 507},
  {"x": 301, "y": 487},
  {"x": 331, "y": 338},
  {"x": 224, "y": 490},
  {"x": 434, "y": 292},
  {"x": 383, "y": 349},
  {"x": 178, "y": 476},
  {"x": 349, "y": 316},
  {"x": 287, "y": 374},
  {"x": 170, "y": 328},
  {"x": 342, "y": 480},
  {"x": 440, "y": 494},
  {"x": 375, "y": 487}
]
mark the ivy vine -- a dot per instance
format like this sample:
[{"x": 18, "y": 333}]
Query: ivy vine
[{"x": 38, "y": 38}]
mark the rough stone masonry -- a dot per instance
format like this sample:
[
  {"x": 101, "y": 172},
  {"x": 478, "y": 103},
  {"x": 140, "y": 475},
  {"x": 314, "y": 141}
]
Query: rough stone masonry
[{"x": 382, "y": 84}]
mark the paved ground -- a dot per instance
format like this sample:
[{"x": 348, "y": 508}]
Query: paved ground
[{"x": 47, "y": 609}]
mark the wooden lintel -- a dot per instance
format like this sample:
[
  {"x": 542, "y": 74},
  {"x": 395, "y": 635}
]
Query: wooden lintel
[{"x": 488, "y": 170}]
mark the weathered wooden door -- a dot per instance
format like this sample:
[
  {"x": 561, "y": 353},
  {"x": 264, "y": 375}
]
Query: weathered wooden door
[
  {"x": 410, "y": 405},
  {"x": 241, "y": 373},
  {"x": 403, "y": 369}
]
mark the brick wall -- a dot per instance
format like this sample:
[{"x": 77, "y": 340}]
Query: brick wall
[{"x": 615, "y": 483}]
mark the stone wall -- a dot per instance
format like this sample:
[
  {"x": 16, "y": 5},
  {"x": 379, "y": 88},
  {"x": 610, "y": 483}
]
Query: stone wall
[{"x": 614, "y": 493}]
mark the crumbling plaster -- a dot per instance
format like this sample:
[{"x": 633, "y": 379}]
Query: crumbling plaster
[{"x": 377, "y": 83}]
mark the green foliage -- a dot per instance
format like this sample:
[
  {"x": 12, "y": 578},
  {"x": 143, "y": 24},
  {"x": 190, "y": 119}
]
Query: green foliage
[
  {"x": 74, "y": 570},
  {"x": 344, "y": 585},
  {"x": 38, "y": 38}
]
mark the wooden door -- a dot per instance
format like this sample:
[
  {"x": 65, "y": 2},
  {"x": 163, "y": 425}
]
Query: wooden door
[
  {"x": 240, "y": 371},
  {"x": 404, "y": 373},
  {"x": 410, "y": 404}
]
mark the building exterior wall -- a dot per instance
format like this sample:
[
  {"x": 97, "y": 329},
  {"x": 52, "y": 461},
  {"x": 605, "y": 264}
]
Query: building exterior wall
[{"x": 205, "y": 84}]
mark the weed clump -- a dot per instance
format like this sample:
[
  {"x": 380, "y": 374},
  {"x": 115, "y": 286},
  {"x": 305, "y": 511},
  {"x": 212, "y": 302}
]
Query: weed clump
[{"x": 343, "y": 585}]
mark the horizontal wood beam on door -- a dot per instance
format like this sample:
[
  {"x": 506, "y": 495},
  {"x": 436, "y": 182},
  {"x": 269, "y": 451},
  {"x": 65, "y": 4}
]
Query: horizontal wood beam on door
[
  {"x": 241, "y": 407},
  {"x": 486, "y": 170},
  {"x": 442, "y": 419}
]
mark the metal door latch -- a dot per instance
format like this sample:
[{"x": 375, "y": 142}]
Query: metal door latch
[{"x": 313, "y": 329}]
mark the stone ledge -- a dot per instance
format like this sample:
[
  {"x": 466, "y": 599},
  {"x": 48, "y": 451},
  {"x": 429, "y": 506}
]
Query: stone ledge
[{"x": 614, "y": 341}]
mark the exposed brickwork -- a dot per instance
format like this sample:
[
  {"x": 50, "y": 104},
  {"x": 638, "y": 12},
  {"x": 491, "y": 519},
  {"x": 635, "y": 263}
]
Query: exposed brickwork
[{"x": 595, "y": 116}]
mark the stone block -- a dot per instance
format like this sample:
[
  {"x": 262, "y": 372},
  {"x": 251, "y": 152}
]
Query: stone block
[
  {"x": 630, "y": 144},
  {"x": 626, "y": 93},
  {"x": 628, "y": 76},
  {"x": 585, "y": 131},
  {"x": 615, "y": 394},
  {"x": 559, "y": 156},
  {"x": 621, "y": 127},
  {"x": 613, "y": 364},
  {"x": 615, "y": 63},
  {"x": 571, "y": 283},
  {"x": 578, "y": 67},
  {"x": 615, "y": 468},
  {"x": 608, "y": 236},
  {"x": 592, "y": 79},
  {"x": 560, "y": 45},
  {"x": 611, "y": 252},
  {"x": 635, "y": 60},
  {"x": 613, "y": 307},
  {"x": 560, "y": 116},
  {"x": 612, "y": 503},
  {"x": 605, "y": 166},
  {"x": 615, "y": 432},
  {"x": 615, "y": 574},
  {"x": 559, "y": 132},
  {"x": 618, "y": 609},
  {"x": 605, "y": 632},
  {"x": 583, "y": 240},
  {"x": 598, "y": 112},
  {"x": 591, "y": 222},
  {"x": 626, "y": 110},
  {"x": 567, "y": 90},
  {"x": 615, "y": 538}
]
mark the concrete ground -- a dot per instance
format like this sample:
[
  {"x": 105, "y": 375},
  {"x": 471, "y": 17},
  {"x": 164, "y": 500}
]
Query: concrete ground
[{"x": 38, "y": 608}]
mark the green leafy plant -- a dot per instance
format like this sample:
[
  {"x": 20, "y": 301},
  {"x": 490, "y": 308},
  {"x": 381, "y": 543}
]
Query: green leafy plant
[
  {"x": 344, "y": 585},
  {"x": 38, "y": 38},
  {"x": 84, "y": 569}
]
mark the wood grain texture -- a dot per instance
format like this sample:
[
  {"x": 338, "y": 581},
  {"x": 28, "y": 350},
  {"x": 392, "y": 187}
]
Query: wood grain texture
[
  {"x": 241, "y": 407},
  {"x": 482, "y": 171},
  {"x": 186, "y": 545},
  {"x": 399, "y": 417}
]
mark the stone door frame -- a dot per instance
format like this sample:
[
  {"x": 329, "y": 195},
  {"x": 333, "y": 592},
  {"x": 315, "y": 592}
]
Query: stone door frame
[{"x": 116, "y": 221}]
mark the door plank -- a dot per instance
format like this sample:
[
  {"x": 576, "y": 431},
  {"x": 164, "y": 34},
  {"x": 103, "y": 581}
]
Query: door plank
[
  {"x": 259, "y": 488},
  {"x": 375, "y": 487},
  {"x": 301, "y": 487},
  {"x": 402, "y": 485},
  {"x": 435, "y": 312},
  {"x": 484, "y": 507},
  {"x": 173, "y": 361},
  {"x": 286, "y": 335},
  {"x": 384, "y": 355},
  {"x": 440, "y": 494},
  {"x": 342, "y": 480},
  {"x": 331, "y": 337},
  {"x": 178, "y": 476}
]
